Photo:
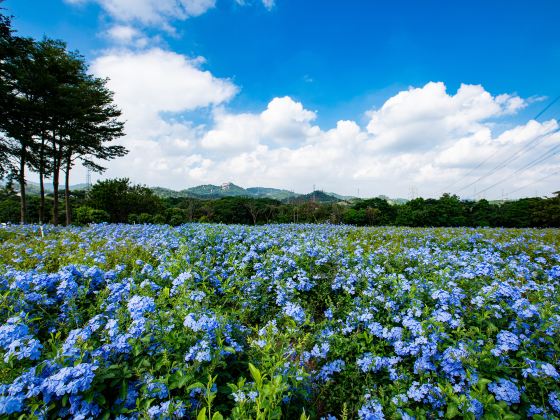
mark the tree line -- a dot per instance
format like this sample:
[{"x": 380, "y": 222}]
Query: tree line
[
  {"x": 120, "y": 201},
  {"x": 53, "y": 114}
]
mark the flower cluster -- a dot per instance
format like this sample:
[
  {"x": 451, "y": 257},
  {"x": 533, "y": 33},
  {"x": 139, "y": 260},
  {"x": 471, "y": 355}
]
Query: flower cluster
[{"x": 149, "y": 321}]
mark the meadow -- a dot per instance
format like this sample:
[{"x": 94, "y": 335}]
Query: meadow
[{"x": 279, "y": 321}]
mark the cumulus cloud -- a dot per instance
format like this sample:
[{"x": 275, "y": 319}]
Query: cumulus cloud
[
  {"x": 424, "y": 137},
  {"x": 428, "y": 118},
  {"x": 148, "y": 83},
  {"x": 284, "y": 122},
  {"x": 152, "y": 12},
  {"x": 158, "y": 13},
  {"x": 128, "y": 36}
]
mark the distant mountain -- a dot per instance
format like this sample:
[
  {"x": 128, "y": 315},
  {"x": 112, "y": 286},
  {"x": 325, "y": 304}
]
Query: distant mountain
[
  {"x": 33, "y": 188},
  {"x": 273, "y": 193},
  {"x": 341, "y": 197},
  {"x": 315, "y": 196},
  {"x": 227, "y": 189}
]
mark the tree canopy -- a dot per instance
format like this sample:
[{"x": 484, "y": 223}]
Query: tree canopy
[{"x": 53, "y": 114}]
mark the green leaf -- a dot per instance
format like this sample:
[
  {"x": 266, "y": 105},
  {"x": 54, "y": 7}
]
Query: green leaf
[
  {"x": 201, "y": 414},
  {"x": 256, "y": 374},
  {"x": 452, "y": 411},
  {"x": 217, "y": 416}
]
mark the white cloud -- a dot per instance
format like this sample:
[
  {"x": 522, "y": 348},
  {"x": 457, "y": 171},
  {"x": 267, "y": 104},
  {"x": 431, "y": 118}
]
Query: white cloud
[
  {"x": 154, "y": 88},
  {"x": 423, "y": 137},
  {"x": 147, "y": 83},
  {"x": 128, "y": 36},
  {"x": 158, "y": 13},
  {"x": 269, "y": 4},
  {"x": 152, "y": 12},
  {"x": 283, "y": 123},
  {"x": 427, "y": 118}
]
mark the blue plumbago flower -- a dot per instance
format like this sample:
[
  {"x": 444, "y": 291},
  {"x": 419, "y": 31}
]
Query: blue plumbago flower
[
  {"x": 426, "y": 393},
  {"x": 13, "y": 329},
  {"x": 252, "y": 395},
  {"x": 452, "y": 364},
  {"x": 200, "y": 352},
  {"x": 137, "y": 328},
  {"x": 506, "y": 341},
  {"x": 139, "y": 305},
  {"x": 207, "y": 323},
  {"x": 81, "y": 409},
  {"x": 534, "y": 410},
  {"x": 156, "y": 389},
  {"x": 27, "y": 348},
  {"x": 370, "y": 363},
  {"x": 330, "y": 368},
  {"x": 505, "y": 390},
  {"x": 371, "y": 409},
  {"x": 537, "y": 370},
  {"x": 318, "y": 352},
  {"x": 167, "y": 410},
  {"x": 11, "y": 404},
  {"x": 554, "y": 401},
  {"x": 239, "y": 396},
  {"x": 70, "y": 380},
  {"x": 197, "y": 296},
  {"x": 475, "y": 407},
  {"x": 18, "y": 342},
  {"x": 294, "y": 311}
]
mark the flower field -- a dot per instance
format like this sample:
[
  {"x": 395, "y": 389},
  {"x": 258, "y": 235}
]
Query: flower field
[{"x": 279, "y": 321}]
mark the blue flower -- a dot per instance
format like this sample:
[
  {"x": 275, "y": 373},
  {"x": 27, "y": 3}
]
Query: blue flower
[
  {"x": 554, "y": 401},
  {"x": 330, "y": 368},
  {"x": 11, "y": 404},
  {"x": 506, "y": 341},
  {"x": 294, "y": 311},
  {"x": 70, "y": 380},
  {"x": 207, "y": 323},
  {"x": 371, "y": 409},
  {"x": 505, "y": 390},
  {"x": 139, "y": 305},
  {"x": 199, "y": 352}
]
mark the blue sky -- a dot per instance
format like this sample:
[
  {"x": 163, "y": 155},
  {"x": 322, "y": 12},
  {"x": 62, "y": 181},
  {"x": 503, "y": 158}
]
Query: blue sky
[{"x": 339, "y": 60}]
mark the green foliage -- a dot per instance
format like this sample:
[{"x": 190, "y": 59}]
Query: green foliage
[
  {"x": 85, "y": 215},
  {"x": 119, "y": 198}
]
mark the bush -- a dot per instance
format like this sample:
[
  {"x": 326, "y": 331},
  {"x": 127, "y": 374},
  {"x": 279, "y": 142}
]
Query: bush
[{"x": 85, "y": 215}]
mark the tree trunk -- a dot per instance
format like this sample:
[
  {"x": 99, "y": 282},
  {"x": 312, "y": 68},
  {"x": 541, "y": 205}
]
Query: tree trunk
[
  {"x": 42, "y": 181},
  {"x": 56, "y": 174},
  {"x": 67, "y": 193},
  {"x": 55, "y": 191},
  {"x": 21, "y": 178}
]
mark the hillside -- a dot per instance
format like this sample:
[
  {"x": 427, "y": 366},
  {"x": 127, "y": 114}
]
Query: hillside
[
  {"x": 313, "y": 197},
  {"x": 228, "y": 189}
]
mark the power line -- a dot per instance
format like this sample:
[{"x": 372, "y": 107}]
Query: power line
[
  {"x": 534, "y": 182},
  {"x": 472, "y": 170},
  {"x": 510, "y": 158},
  {"x": 547, "y": 155},
  {"x": 546, "y": 108}
]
